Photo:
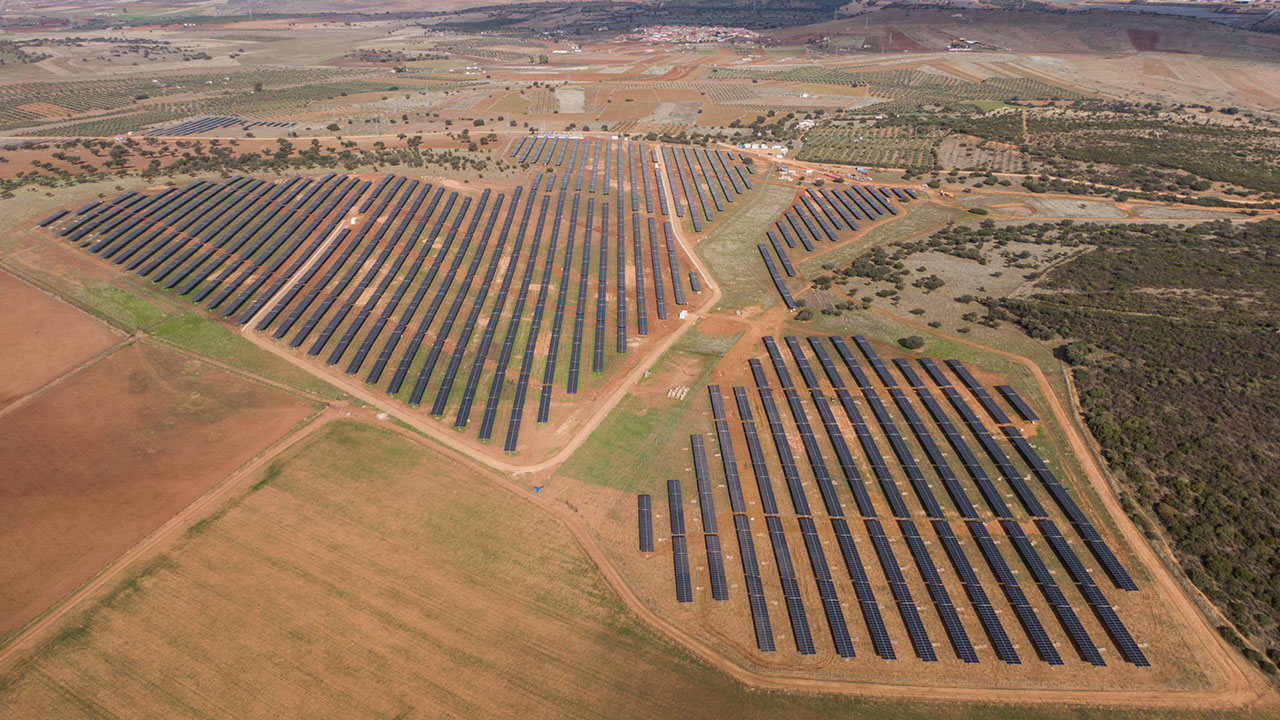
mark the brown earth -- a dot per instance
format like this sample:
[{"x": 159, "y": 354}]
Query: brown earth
[
  {"x": 43, "y": 338},
  {"x": 1143, "y": 40},
  {"x": 100, "y": 460}
]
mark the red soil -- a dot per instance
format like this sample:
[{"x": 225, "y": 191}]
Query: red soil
[
  {"x": 44, "y": 337},
  {"x": 1143, "y": 40},
  {"x": 99, "y": 461}
]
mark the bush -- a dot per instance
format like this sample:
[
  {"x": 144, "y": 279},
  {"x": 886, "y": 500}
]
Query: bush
[
  {"x": 914, "y": 342},
  {"x": 1076, "y": 353}
]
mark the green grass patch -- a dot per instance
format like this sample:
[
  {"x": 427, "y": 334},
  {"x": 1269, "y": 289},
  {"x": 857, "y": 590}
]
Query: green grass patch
[
  {"x": 696, "y": 342},
  {"x": 730, "y": 250},
  {"x": 920, "y": 218},
  {"x": 986, "y": 105},
  {"x": 206, "y": 337},
  {"x": 641, "y": 443}
]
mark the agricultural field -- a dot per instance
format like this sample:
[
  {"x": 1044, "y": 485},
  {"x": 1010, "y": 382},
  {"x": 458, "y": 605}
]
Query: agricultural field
[
  {"x": 889, "y": 147},
  {"x": 612, "y": 360},
  {"x": 154, "y": 430}
]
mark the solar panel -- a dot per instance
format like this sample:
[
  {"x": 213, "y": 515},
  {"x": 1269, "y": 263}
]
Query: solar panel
[
  {"x": 938, "y": 592},
  {"x": 746, "y": 546},
  {"x": 728, "y": 457},
  {"x": 680, "y": 560},
  {"x": 1093, "y": 595},
  {"x": 1019, "y": 405},
  {"x": 706, "y": 502},
  {"x": 847, "y": 465},
  {"x": 756, "y": 452},
  {"x": 715, "y": 566},
  {"x": 1057, "y": 601},
  {"x": 789, "y": 470},
  {"x": 675, "y": 505},
  {"x": 977, "y": 596},
  {"x": 800, "y": 625},
  {"x": 901, "y": 593},
  {"x": 862, "y": 588},
  {"x": 760, "y": 619},
  {"x": 644, "y": 511},
  {"x": 1083, "y": 526},
  {"x": 778, "y": 283}
]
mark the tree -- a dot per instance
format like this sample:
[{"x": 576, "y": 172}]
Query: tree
[
  {"x": 913, "y": 342},
  {"x": 1076, "y": 353}
]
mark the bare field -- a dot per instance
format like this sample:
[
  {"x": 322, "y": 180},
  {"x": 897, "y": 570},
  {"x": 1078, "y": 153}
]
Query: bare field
[
  {"x": 43, "y": 338},
  {"x": 102, "y": 459},
  {"x": 364, "y": 576}
]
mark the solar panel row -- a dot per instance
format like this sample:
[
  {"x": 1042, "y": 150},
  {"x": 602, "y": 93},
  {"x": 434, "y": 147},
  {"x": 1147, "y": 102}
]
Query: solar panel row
[
  {"x": 890, "y": 430},
  {"x": 817, "y": 463},
  {"x": 979, "y": 392},
  {"x": 977, "y": 595},
  {"x": 879, "y": 468},
  {"x": 817, "y": 557},
  {"x": 820, "y": 215},
  {"x": 679, "y": 546},
  {"x": 826, "y": 588},
  {"x": 644, "y": 512},
  {"x": 727, "y": 456},
  {"x": 1084, "y": 527},
  {"x": 1093, "y": 595},
  {"x": 1053, "y": 594},
  {"x": 1015, "y": 401},
  {"x": 281, "y": 269},
  {"x": 901, "y": 593},
  {"x": 988, "y": 443},
  {"x": 1013, "y": 592},
  {"x": 938, "y": 592},
  {"x": 862, "y": 589}
]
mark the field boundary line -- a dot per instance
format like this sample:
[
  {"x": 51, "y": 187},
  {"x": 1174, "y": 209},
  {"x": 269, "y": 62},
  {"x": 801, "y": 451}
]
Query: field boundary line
[
  {"x": 29, "y": 635},
  {"x": 69, "y": 373}
]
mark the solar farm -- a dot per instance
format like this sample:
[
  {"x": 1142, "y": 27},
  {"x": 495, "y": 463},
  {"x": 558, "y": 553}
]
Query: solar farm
[
  {"x": 921, "y": 526},
  {"x": 437, "y": 296},
  {"x": 888, "y": 520},
  {"x": 569, "y": 359}
]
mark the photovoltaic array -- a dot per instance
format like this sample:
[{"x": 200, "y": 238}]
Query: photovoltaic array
[
  {"x": 824, "y": 215},
  {"x": 960, "y": 599},
  {"x": 464, "y": 304}
]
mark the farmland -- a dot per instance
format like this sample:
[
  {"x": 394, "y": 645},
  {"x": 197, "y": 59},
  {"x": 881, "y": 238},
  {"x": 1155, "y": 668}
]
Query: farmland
[
  {"x": 547, "y": 360},
  {"x": 878, "y": 147}
]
